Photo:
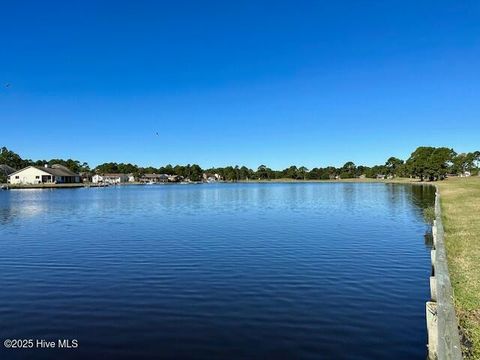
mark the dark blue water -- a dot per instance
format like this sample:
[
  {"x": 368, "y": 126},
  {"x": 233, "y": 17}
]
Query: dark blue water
[{"x": 247, "y": 271}]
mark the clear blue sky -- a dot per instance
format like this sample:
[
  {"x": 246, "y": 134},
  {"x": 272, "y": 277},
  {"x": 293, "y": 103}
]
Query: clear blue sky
[{"x": 311, "y": 83}]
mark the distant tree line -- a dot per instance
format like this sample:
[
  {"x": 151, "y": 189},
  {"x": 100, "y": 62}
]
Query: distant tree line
[
  {"x": 425, "y": 163},
  {"x": 8, "y": 157}
]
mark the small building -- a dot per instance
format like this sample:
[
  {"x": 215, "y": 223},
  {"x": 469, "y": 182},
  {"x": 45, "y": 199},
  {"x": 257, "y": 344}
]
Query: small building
[
  {"x": 111, "y": 179},
  {"x": 175, "y": 178},
  {"x": 97, "y": 179},
  {"x": 381, "y": 176},
  {"x": 55, "y": 174},
  {"x": 154, "y": 178},
  {"x": 86, "y": 176},
  {"x": 131, "y": 178},
  {"x": 211, "y": 177}
]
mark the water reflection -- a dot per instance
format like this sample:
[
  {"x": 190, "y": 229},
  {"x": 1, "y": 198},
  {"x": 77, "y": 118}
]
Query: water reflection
[
  {"x": 17, "y": 204},
  {"x": 423, "y": 196},
  {"x": 219, "y": 271},
  {"x": 21, "y": 204}
]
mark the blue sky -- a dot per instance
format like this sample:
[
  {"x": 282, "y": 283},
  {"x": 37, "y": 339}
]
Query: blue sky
[{"x": 311, "y": 83}]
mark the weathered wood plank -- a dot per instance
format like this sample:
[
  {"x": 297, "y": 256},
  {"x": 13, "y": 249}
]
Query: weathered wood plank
[
  {"x": 432, "y": 329},
  {"x": 447, "y": 342}
]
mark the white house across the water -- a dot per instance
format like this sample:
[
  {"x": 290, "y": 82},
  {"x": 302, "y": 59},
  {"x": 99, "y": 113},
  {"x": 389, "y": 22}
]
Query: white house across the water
[
  {"x": 112, "y": 178},
  {"x": 55, "y": 174}
]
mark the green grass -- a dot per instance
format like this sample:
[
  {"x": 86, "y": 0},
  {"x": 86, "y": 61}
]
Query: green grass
[{"x": 460, "y": 201}]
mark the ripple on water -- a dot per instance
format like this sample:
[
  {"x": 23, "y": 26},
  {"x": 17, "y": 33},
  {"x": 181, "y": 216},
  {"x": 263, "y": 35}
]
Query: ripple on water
[{"x": 240, "y": 271}]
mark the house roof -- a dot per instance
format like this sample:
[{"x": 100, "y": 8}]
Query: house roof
[
  {"x": 7, "y": 170},
  {"x": 113, "y": 175},
  {"x": 55, "y": 170},
  {"x": 154, "y": 176}
]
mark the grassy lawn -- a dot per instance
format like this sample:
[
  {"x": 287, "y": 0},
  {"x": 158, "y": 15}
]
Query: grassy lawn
[{"x": 460, "y": 201}]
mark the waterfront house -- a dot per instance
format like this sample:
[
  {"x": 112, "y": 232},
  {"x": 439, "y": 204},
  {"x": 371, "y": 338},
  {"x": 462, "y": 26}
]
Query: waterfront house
[
  {"x": 175, "y": 178},
  {"x": 86, "y": 176},
  {"x": 97, "y": 179},
  {"x": 110, "y": 178},
  {"x": 154, "y": 178},
  {"x": 55, "y": 174},
  {"x": 211, "y": 177},
  {"x": 381, "y": 176}
]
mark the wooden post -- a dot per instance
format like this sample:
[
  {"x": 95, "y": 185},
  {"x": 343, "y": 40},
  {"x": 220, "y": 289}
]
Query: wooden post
[{"x": 432, "y": 329}]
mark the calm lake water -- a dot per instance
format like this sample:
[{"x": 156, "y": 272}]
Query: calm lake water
[{"x": 217, "y": 271}]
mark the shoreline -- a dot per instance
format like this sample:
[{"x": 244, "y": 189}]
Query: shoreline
[
  {"x": 5, "y": 186},
  {"x": 442, "y": 320}
]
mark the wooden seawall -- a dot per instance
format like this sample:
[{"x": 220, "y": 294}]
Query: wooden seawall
[{"x": 442, "y": 326}]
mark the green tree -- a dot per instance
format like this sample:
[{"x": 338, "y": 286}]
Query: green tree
[
  {"x": 419, "y": 162},
  {"x": 348, "y": 170},
  {"x": 302, "y": 171},
  {"x": 291, "y": 172},
  {"x": 375, "y": 170},
  {"x": 196, "y": 172},
  {"x": 107, "y": 168},
  {"x": 230, "y": 174},
  {"x": 262, "y": 172},
  {"x": 246, "y": 173},
  {"x": 332, "y": 172},
  {"x": 393, "y": 166},
  {"x": 440, "y": 163},
  {"x": 362, "y": 170},
  {"x": 430, "y": 163},
  {"x": 8, "y": 157},
  {"x": 466, "y": 162}
]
